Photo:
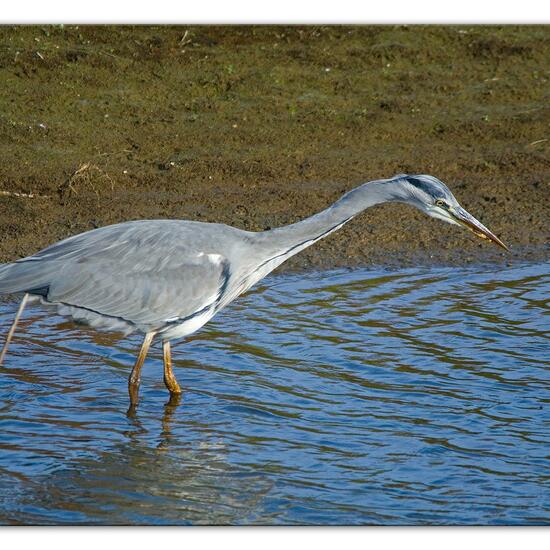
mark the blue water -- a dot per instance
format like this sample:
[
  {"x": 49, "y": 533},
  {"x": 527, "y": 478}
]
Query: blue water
[{"x": 407, "y": 397}]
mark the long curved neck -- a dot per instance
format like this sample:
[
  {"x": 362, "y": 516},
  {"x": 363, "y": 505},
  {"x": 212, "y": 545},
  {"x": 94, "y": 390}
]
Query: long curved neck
[{"x": 290, "y": 239}]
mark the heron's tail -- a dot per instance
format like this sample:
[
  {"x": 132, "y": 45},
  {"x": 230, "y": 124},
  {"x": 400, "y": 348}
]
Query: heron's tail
[{"x": 26, "y": 276}]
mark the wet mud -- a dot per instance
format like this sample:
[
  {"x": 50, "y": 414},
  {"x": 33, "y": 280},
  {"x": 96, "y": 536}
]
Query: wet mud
[{"x": 260, "y": 126}]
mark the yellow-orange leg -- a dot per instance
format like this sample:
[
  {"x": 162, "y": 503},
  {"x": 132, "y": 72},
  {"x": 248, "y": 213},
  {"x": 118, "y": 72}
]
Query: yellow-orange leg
[
  {"x": 135, "y": 375},
  {"x": 169, "y": 378},
  {"x": 12, "y": 329}
]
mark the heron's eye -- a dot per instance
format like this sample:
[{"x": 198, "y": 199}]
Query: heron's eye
[{"x": 441, "y": 203}]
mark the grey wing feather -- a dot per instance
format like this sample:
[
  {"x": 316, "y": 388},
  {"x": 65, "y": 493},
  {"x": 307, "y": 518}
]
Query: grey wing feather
[
  {"x": 145, "y": 273},
  {"x": 146, "y": 298}
]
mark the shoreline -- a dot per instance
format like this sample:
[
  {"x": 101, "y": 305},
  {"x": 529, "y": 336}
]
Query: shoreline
[{"x": 262, "y": 126}]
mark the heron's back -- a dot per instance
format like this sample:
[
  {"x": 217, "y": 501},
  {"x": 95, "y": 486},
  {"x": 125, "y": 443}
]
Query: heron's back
[{"x": 142, "y": 274}]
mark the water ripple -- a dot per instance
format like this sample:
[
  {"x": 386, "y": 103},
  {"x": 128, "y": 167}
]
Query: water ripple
[{"x": 345, "y": 397}]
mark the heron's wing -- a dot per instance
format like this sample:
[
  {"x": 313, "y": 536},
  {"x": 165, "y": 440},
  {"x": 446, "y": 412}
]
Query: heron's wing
[
  {"x": 144, "y": 297},
  {"x": 146, "y": 274}
]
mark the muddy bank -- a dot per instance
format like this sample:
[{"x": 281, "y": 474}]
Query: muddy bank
[{"x": 262, "y": 126}]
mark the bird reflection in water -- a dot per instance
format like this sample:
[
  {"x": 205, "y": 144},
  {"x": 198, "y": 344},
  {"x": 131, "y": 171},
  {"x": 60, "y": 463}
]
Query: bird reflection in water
[{"x": 170, "y": 408}]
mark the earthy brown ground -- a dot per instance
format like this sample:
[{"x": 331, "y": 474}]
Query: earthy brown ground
[{"x": 262, "y": 126}]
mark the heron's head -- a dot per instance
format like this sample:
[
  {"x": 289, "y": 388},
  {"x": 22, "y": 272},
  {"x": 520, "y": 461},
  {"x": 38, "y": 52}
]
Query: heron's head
[{"x": 435, "y": 199}]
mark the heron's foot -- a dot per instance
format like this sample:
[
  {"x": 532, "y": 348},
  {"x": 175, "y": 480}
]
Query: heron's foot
[
  {"x": 172, "y": 403},
  {"x": 169, "y": 379},
  {"x": 172, "y": 384},
  {"x": 133, "y": 391},
  {"x": 135, "y": 375},
  {"x": 132, "y": 410}
]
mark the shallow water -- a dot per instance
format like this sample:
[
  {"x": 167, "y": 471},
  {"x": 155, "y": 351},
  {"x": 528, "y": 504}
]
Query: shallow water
[{"x": 345, "y": 397}]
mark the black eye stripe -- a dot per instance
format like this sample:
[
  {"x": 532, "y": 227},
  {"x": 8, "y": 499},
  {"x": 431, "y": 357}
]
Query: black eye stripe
[
  {"x": 420, "y": 184},
  {"x": 430, "y": 188}
]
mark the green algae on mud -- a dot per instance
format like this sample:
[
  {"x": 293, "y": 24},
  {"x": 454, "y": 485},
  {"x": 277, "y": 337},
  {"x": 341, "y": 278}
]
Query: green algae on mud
[{"x": 259, "y": 126}]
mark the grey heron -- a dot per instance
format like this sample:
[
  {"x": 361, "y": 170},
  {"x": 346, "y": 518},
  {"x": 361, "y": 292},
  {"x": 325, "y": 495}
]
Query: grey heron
[{"x": 166, "y": 278}]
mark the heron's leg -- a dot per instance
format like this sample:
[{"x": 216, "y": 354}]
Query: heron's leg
[
  {"x": 169, "y": 378},
  {"x": 135, "y": 375},
  {"x": 12, "y": 329}
]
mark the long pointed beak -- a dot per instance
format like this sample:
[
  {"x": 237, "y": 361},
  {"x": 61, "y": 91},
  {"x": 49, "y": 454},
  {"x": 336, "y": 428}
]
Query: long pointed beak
[{"x": 463, "y": 218}]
